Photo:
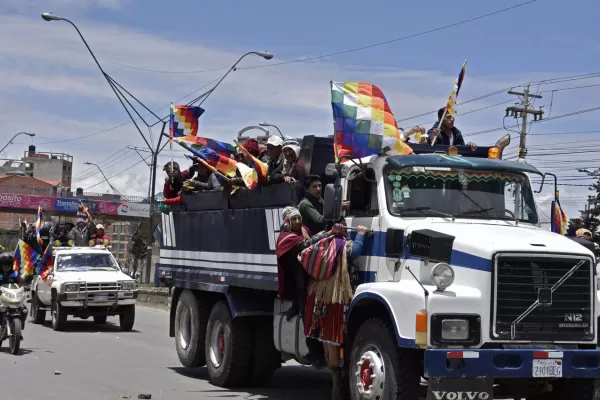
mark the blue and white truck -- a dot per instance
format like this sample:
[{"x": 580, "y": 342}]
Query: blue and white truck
[{"x": 462, "y": 297}]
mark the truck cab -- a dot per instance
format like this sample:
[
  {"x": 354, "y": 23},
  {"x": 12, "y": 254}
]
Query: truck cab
[{"x": 84, "y": 282}]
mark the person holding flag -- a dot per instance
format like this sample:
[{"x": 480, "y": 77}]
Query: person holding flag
[{"x": 443, "y": 131}]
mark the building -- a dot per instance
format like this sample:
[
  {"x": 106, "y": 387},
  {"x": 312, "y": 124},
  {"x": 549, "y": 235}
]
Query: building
[
  {"x": 55, "y": 168},
  {"x": 23, "y": 184},
  {"x": 120, "y": 233}
]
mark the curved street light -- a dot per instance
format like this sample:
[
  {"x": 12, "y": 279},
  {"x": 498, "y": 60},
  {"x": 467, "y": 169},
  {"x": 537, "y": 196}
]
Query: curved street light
[
  {"x": 13, "y": 138},
  {"x": 274, "y": 126},
  {"x": 105, "y": 178},
  {"x": 264, "y": 54}
]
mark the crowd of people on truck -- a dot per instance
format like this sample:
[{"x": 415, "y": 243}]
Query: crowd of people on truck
[
  {"x": 316, "y": 261},
  {"x": 63, "y": 234}
]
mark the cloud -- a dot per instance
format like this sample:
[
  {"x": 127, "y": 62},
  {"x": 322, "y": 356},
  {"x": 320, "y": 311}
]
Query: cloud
[{"x": 49, "y": 84}]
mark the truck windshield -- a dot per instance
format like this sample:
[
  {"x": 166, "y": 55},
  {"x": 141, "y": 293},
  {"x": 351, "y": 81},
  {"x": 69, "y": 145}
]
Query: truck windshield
[
  {"x": 86, "y": 261},
  {"x": 460, "y": 192}
]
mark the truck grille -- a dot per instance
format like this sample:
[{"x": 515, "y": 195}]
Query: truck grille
[
  {"x": 562, "y": 315},
  {"x": 99, "y": 287}
]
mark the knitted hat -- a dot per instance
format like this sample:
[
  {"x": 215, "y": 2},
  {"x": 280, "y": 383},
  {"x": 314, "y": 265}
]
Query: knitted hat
[{"x": 289, "y": 213}]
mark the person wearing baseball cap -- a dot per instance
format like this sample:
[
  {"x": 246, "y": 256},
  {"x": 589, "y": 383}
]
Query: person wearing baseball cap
[
  {"x": 275, "y": 152},
  {"x": 100, "y": 237}
]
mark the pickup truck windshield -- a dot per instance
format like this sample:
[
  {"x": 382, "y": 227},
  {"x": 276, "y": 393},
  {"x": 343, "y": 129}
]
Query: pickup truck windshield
[
  {"x": 86, "y": 262},
  {"x": 460, "y": 192}
]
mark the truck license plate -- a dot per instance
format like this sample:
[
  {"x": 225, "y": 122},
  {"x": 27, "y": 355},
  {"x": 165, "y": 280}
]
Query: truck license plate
[
  {"x": 547, "y": 369},
  {"x": 101, "y": 298}
]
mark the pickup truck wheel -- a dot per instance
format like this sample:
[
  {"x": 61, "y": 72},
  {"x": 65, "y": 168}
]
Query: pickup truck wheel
[
  {"x": 37, "y": 316},
  {"x": 191, "y": 318},
  {"x": 59, "y": 316},
  {"x": 379, "y": 369},
  {"x": 100, "y": 319},
  {"x": 127, "y": 318},
  {"x": 228, "y": 347}
]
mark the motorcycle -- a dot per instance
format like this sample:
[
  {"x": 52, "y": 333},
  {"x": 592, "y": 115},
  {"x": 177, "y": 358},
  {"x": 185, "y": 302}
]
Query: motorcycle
[{"x": 12, "y": 297}]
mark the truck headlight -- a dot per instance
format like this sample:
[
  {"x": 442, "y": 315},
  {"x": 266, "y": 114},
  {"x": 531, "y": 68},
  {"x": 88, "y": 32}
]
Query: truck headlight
[
  {"x": 455, "y": 329},
  {"x": 70, "y": 287},
  {"x": 442, "y": 276},
  {"x": 127, "y": 286}
]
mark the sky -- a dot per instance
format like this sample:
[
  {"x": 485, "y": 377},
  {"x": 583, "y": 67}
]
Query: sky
[{"x": 50, "y": 85}]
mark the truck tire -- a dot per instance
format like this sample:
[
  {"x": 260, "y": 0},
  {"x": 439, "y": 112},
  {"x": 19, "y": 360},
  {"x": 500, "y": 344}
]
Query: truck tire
[
  {"x": 59, "y": 316},
  {"x": 191, "y": 319},
  {"x": 395, "y": 369},
  {"x": 100, "y": 319},
  {"x": 37, "y": 316},
  {"x": 228, "y": 347},
  {"x": 127, "y": 318},
  {"x": 265, "y": 357}
]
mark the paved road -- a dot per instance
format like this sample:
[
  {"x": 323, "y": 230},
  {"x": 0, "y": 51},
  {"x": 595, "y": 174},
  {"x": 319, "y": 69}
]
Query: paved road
[{"x": 103, "y": 363}]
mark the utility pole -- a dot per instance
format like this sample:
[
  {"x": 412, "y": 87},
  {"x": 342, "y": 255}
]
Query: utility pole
[{"x": 522, "y": 112}]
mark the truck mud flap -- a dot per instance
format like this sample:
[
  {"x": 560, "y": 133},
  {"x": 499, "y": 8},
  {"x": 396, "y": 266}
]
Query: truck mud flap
[{"x": 460, "y": 389}]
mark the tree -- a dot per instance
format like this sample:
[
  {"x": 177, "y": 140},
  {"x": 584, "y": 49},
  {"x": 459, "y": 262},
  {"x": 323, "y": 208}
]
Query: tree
[
  {"x": 590, "y": 218},
  {"x": 139, "y": 245}
]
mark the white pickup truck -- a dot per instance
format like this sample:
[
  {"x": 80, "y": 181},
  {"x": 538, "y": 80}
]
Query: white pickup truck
[{"x": 84, "y": 282}]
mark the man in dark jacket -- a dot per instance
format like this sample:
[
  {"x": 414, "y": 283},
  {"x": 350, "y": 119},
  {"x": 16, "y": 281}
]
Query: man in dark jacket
[{"x": 449, "y": 135}]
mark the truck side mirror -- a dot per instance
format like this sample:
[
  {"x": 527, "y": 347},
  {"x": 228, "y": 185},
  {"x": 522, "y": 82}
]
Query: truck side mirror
[
  {"x": 331, "y": 171},
  {"x": 332, "y": 202}
]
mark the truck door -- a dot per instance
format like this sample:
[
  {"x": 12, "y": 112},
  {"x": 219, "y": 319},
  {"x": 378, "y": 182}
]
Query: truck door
[{"x": 361, "y": 190}]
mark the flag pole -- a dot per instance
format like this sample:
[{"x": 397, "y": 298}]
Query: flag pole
[{"x": 457, "y": 85}]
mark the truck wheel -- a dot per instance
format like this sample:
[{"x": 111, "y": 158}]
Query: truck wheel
[
  {"x": 59, "y": 316},
  {"x": 126, "y": 318},
  {"x": 191, "y": 318},
  {"x": 37, "y": 316},
  {"x": 228, "y": 347},
  {"x": 100, "y": 319},
  {"x": 379, "y": 369},
  {"x": 265, "y": 357}
]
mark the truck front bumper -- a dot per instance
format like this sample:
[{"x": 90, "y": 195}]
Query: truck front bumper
[
  {"x": 97, "y": 299},
  {"x": 512, "y": 363}
]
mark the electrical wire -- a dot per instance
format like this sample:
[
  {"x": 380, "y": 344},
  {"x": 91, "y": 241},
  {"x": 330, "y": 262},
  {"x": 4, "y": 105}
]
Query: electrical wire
[
  {"x": 337, "y": 53},
  {"x": 118, "y": 173}
]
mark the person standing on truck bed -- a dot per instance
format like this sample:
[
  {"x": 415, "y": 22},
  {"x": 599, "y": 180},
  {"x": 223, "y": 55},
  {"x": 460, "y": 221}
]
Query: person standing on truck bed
[
  {"x": 174, "y": 179},
  {"x": 202, "y": 180},
  {"x": 333, "y": 270},
  {"x": 311, "y": 207},
  {"x": 291, "y": 152},
  {"x": 450, "y": 135},
  {"x": 80, "y": 234},
  {"x": 275, "y": 164}
]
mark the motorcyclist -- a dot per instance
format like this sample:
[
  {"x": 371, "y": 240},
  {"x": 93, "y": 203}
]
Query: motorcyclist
[{"x": 8, "y": 275}]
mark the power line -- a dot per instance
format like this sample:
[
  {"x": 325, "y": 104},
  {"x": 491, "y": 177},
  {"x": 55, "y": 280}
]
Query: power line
[
  {"x": 117, "y": 174},
  {"x": 337, "y": 53},
  {"x": 87, "y": 170},
  {"x": 127, "y": 123},
  {"x": 543, "y": 120}
]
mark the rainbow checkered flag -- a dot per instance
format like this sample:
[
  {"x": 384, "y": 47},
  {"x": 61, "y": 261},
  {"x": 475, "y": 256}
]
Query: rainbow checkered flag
[
  {"x": 82, "y": 212},
  {"x": 558, "y": 219},
  {"x": 39, "y": 221},
  {"x": 364, "y": 122},
  {"x": 184, "y": 121},
  {"x": 457, "y": 84},
  {"x": 26, "y": 260}
]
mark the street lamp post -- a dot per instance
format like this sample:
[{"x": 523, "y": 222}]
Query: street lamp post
[
  {"x": 154, "y": 151},
  {"x": 274, "y": 126},
  {"x": 13, "y": 138},
  {"x": 105, "y": 178}
]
